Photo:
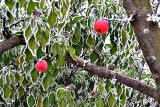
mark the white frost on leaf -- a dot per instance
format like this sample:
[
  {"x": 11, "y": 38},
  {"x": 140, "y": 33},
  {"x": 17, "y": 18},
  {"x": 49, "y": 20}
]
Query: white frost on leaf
[
  {"x": 113, "y": 80},
  {"x": 153, "y": 18}
]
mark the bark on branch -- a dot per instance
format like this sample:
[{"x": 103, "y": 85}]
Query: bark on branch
[
  {"x": 149, "y": 43},
  {"x": 92, "y": 68},
  {"x": 11, "y": 43},
  {"x": 148, "y": 35},
  {"x": 109, "y": 74}
]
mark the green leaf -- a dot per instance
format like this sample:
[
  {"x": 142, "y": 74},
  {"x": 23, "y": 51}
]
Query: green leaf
[
  {"x": 47, "y": 81},
  {"x": 6, "y": 91},
  {"x": 93, "y": 57},
  {"x": 101, "y": 88},
  {"x": 61, "y": 60},
  {"x": 52, "y": 18},
  {"x": 32, "y": 45},
  {"x": 12, "y": 77},
  {"x": 31, "y": 101},
  {"x": 17, "y": 77},
  {"x": 42, "y": 3},
  {"x": 8, "y": 80},
  {"x": 77, "y": 18},
  {"x": 21, "y": 91},
  {"x": 111, "y": 100},
  {"x": 124, "y": 37},
  {"x": 61, "y": 56},
  {"x": 42, "y": 37},
  {"x": 28, "y": 32},
  {"x": 40, "y": 53},
  {"x": 108, "y": 85},
  {"x": 114, "y": 49},
  {"x": 55, "y": 49},
  {"x": 10, "y": 4},
  {"x": 29, "y": 55},
  {"x": 52, "y": 99},
  {"x": 61, "y": 25},
  {"x": 25, "y": 82},
  {"x": 71, "y": 51},
  {"x": 46, "y": 102},
  {"x": 62, "y": 103},
  {"x": 31, "y": 7},
  {"x": 77, "y": 34},
  {"x": 34, "y": 75},
  {"x": 13, "y": 91},
  {"x": 78, "y": 49},
  {"x": 74, "y": 39},
  {"x": 22, "y": 2},
  {"x": 55, "y": 73},
  {"x": 90, "y": 41},
  {"x": 61, "y": 92},
  {"x": 119, "y": 90},
  {"x": 99, "y": 102},
  {"x": 10, "y": 17},
  {"x": 123, "y": 99},
  {"x": 70, "y": 99},
  {"x": 39, "y": 103},
  {"x": 68, "y": 2},
  {"x": 64, "y": 9},
  {"x": 90, "y": 8}
]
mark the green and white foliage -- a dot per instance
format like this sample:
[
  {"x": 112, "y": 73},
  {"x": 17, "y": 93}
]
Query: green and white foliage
[{"x": 53, "y": 27}]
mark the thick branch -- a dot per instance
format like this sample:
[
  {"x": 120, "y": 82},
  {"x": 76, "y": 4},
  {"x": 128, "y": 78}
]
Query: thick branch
[
  {"x": 105, "y": 73},
  {"x": 97, "y": 70},
  {"x": 148, "y": 35},
  {"x": 11, "y": 43}
]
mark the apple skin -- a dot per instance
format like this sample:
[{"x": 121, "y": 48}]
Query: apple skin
[
  {"x": 101, "y": 26},
  {"x": 93, "y": 93},
  {"x": 41, "y": 66}
]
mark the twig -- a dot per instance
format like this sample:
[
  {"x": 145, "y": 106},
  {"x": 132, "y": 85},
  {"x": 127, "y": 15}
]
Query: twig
[
  {"x": 84, "y": 53},
  {"x": 6, "y": 32},
  {"x": 14, "y": 24},
  {"x": 131, "y": 18},
  {"x": 4, "y": 23},
  {"x": 69, "y": 78}
]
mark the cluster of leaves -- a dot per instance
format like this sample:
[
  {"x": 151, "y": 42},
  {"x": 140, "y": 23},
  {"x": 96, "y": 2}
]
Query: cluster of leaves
[{"x": 51, "y": 28}]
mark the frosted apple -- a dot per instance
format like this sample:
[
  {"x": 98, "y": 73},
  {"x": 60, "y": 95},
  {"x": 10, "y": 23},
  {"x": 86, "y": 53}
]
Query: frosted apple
[
  {"x": 41, "y": 66},
  {"x": 101, "y": 26}
]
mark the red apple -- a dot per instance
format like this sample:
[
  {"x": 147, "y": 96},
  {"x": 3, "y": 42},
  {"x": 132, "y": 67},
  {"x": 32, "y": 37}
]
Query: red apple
[
  {"x": 101, "y": 26},
  {"x": 93, "y": 93},
  {"x": 41, "y": 66}
]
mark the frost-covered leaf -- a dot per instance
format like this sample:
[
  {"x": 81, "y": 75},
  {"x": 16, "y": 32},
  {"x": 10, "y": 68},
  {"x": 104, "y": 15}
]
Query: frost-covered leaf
[
  {"x": 28, "y": 33},
  {"x": 71, "y": 51},
  {"x": 31, "y": 101},
  {"x": 32, "y": 44},
  {"x": 47, "y": 81},
  {"x": 52, "y": 18}
]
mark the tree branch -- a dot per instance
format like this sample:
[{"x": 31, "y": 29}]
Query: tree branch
[
  {"x": 11, "y": 43},
  {"x": 148, "y": 35},
  {"x": 109, "y": 74},
  {"x": 149, "y": 43},
  {"x": 92, "y": 68}
]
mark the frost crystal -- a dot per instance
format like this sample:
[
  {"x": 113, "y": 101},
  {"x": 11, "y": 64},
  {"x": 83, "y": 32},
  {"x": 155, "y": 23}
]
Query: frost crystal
[
  {"x": 114, "y": 80},
  {"x": 85, "y": 62},
  {"x": 153, "y": 18},
  {"x": 146, "y": 31}
]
